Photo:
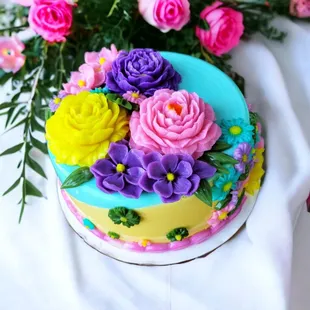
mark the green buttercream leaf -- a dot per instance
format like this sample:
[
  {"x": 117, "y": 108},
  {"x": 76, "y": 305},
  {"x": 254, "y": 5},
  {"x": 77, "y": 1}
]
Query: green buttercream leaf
[
  {"x": 221, "y": 157},
  {"x": 245, "y": 174},
  {"x": 221, "y": 146},
  {"x": 238, "y": 203},
  {"x": 204, "y": 192},
  {"x": 113, "y": 235},
  {"x": 177, "y": 234},
  {"x": 119, "y": 100},
  {"x": 122, "y": 215},
  {"x": 222, "y": 204},
  {"x": 77, "y": 178}
]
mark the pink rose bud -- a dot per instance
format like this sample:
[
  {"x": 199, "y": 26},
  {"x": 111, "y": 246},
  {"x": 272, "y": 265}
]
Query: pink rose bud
[
  {"x": 51, "y": 19},
  {"x": 226, "y": 28},
  {"x": 24, "y": 2},
  {"x": 165, "y": 14},
  {"x": 300, "y": 8},
  {"x": 11, "y": 58}
]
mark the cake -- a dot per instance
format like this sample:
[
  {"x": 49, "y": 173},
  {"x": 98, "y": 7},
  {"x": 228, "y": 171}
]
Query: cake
[{"x": 154, "y": 151}]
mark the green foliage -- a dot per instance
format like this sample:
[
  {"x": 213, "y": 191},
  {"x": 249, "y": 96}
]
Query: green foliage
[
  {"x": 204, "y": 192},
  {"x": 77, "y": 178},
  {"x": 124, "y": 216},
  {"x": 113, "y": 235},
  {"x": 177, "y": 234}
]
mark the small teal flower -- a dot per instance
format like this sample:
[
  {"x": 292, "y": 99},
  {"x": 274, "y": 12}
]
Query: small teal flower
[
  {"x": 236, "y": 131},
  {"x": 88, "y": 224},
  {"x": 100, "y": 90},
  {"x": 224, "y": 184}
]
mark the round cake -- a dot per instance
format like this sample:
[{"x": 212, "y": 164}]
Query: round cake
[{"x": 158, "y": 157}]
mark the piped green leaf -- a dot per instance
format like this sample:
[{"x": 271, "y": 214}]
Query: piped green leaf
[
  {"x": 221, "y": 146},
  {"x": 77, "y": 178},
  {"x": 222, "y": 204},
  {"x": 204, "y": 192},
  {"x": 221, "y": 157}
]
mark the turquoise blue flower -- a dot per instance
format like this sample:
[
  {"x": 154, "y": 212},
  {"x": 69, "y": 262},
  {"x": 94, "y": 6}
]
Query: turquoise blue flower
[
  {"x": 100, "y": 90},
  {"x": 88, "y": 224},
  {"x": 224, "y": 184},
  {"x": 236, "y": 131}
]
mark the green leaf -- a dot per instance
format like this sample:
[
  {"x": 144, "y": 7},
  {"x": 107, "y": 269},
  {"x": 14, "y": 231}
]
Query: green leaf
[
  {"x": 124, "y": 216},
  {"x": 204, "y": 192},
  {"x": 14, "y": 185},
  {"x": 177, "y": 234},
  {"x": 4, "y": 78},
  {"x": 31, "y": 190},
  {"x": 12, "y": 149},
  {"x": 19, "y": 112},
  {"x": 35, "y": 126},
  {"x": 48, "y": 114},
  {"x": 113, "y": 235},
  {"x": 238, "y": 203},
  {"x": 77, "y": 178},
  {"x": 18, "y": 124},
  {"x": 35, "y": 166},
  {"x": 9, "y": 116},
  {"x": 222, "y": 204},
  {"x": 119, "y": 100},
  {"x": 221, "y": 146},
  {"x": 221, "y": 157},
  {"x": 203, "y": 24},
  {"x": 6, "y": 105},
  {"x": 39, "y": 145}
]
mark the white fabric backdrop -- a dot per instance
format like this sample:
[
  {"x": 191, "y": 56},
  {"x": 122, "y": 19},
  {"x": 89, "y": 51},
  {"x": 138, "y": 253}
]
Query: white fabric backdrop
[{"x": 45, "y": 266}]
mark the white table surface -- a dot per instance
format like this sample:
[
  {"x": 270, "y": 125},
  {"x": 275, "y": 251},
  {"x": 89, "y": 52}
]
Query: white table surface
[{"x": 45, "y": 266}]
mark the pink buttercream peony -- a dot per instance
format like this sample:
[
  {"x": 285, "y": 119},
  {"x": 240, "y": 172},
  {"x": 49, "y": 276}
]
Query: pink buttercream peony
[
  {"x": 51, "y": 19},
  {"x": 101, "y": 62},
  {"x": 24, "y": 2},
  {"x": 174, "y": 122},
  {"x": 300, "y": 8},
  {"x": 165, "y": 14},
  {"x": 82, "y": 80},
  {"x": 226, "y": 28},
  {"x": 219, "y": 216},
  {"x": 11, "y": 58}
]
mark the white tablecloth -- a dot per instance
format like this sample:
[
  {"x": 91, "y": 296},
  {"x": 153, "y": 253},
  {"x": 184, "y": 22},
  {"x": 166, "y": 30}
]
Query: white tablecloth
[{"x": 45, "y": 266}]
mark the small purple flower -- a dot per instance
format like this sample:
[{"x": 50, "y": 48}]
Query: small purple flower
[
  {"x": 134, "y": 97},
  {"x": 172, "y": 176},
  {"x": 242, "y": 154},
  {"x": 56, "y": 101},
  {"x": 120, "y": 173}
]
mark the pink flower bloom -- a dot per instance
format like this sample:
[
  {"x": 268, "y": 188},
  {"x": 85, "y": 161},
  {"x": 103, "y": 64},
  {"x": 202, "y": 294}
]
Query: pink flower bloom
[
  {"x": 51, "y": 19},
  {"x": 82, "y": 80},
  {"x": 226, "y": 28},
  {"x": 174, "y": 122},
  {"x": 11, "y": 58},
  {"x": 24, "y": 2},
  {"x": 300, "y": 8},
  {"x": 219, "y": 216},
  {"x": 134, "y": 97},
  {"x": 101, "y": 62},
  {"x": 165, "y": 14}
]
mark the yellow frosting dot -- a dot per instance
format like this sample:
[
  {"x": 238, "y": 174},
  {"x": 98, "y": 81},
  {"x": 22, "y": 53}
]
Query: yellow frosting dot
[
  {"x": 178, "y": 237},
  {"x": 170, "y": 176},
  {"x": 144, "y": 242},
  {"x": 135, "y": 95},
  {"x": 102, "y": 60},
  {"x": 123, "y": 219},
  {"x": 245, "y": 158},
  {"x": 227, "y": 186},
  {"x": 235, "y": 130},
  {"x": 223, "y": 216},
  {"x": 57, "y": 100},
  {"x": 81, "y": 83},
  {"x": 120, "y": 168}
]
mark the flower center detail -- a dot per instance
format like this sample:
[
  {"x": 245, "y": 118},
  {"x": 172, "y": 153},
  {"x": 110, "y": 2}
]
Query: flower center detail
[
  {"x": 57, "y": 100},
  {"x": 223, "y": 216},
  {"x": 178, "y": 237},
  {"x": 227, "y": 186},
  {"x": 245, "y": 158},
  {"x": 176, "y": 107},
  {"x": 81, "y": 83},
  {"x": 144, "y": 243},
  {"x": 7, "y": 52},
  {"x": 123, "y": 219},
  {"x": 135, "y": 95},
  {"x": 102, "y": 60},
  {"x": 235, "y": 130},
  {"x": 120, "y": 168},
  {"x": 170, "y": 177}
]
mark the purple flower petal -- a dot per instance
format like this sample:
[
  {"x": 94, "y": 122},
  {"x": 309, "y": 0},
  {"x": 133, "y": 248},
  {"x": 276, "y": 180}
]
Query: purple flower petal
[
  {"x": 149, "y": 158},
  {"x": 172, "y": 198},
  {"x": 133, "y": 159},
  {"x": 184, "y": 169},
  {"x": 240, "y": 167},
  {"x": 163, "y": 188},
  {"x": 103, "y": 167},
  {"x": 203, "y": 170},
  {"x": 156, "y": 171},
  {"x": 99, "y": 183},
  {"x": 146, "y": 183},
  {"x": 170, "y": 162},
  {"x": 133, "y": 175},
  {"x": 182, "y": 186},
  {"x": 131, "y": 191},
  {"x": 195, "y": 180},
  {"x": 187, "y": 158},
  {"x": 114, "y": 182},
  {"x": 118, "y": 152}
]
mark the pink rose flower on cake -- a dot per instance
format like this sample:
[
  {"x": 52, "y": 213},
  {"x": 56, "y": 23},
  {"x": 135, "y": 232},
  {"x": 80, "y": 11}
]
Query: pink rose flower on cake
[
  {"x": 174, "y": 122},
  {"x": 300, "y": 8},
  {"x": 226, "y": 28},
  {"x": 165, "y": 14}
]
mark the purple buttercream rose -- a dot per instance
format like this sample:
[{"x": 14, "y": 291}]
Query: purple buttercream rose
[
  {"x": 172, "y": 176},
  {"x": 142, "y": 70},
  {"x": 120, "y": 173}
]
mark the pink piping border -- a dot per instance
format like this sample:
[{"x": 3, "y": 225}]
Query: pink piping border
[{"x": 155, "y": 247}]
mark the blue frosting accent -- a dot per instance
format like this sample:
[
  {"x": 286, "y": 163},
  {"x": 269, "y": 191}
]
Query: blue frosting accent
[{"x": 215, "y": 87}]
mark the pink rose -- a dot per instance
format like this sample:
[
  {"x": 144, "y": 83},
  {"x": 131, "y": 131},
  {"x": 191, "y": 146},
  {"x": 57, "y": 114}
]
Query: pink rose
[
  {"x": 82, "y": 80},
  {"x": 165, "y": 14},
  {"x": 226, "y": 28},
  {"x": 300, "y": 8},
  {"x": 174, "y": 122},
  {"x": 11, "y": 58},
  {"x": 51, "y": 19},
  {"x": 101, "y": 62},
  {"x": 24, "y": 2}
]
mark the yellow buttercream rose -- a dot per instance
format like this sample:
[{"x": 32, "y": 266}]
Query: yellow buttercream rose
[{"x": 83, "y": 127}]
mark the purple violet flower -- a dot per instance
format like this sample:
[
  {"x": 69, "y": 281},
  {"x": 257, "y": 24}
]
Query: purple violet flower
[
  {"x": 121, "y": 172},
  {"x": 56, "y": 101},
  {"x": 172, "y": 176},
  {"x": 242, "y": 154}
]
